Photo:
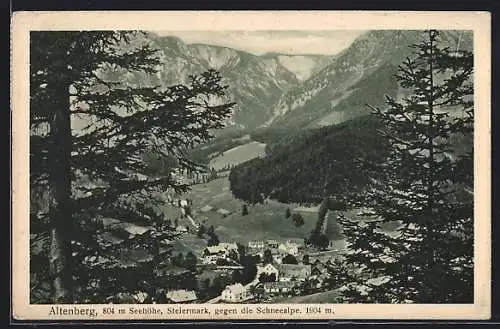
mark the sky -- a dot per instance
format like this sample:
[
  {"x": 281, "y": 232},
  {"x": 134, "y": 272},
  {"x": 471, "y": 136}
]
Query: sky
[{"x": 261, "y": 42}]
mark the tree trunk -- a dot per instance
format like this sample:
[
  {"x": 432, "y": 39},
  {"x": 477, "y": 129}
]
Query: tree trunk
[
  {"x": 431, "y": 178},
  {"x": 60, "y": 191}
]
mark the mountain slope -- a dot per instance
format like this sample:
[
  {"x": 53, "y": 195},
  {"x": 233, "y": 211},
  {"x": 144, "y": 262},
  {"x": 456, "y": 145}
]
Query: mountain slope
[
  {"x": 295, "y": 167},
  {"x": 303, "y": 66},
  {"x": 255, "y": 83},
  {"x": 340, "y": 158},
  {"x": 360, "y": 74}
]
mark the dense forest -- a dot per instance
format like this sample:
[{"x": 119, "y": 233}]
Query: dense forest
[{"x": 299, "y": 167}]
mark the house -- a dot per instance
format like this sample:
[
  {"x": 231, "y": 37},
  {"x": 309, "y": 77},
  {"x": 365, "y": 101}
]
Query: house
[
  {"x": 212, "y": 253},
  {"x": 229, "y": 246},
  {"x": 256, "y": 244},
  {"x": 224, "y": 212},
  {"x": 110, "y": 223},
  {"x": 235, "y": 293},
  {"x": 280, "y": 287},
  {"x": 214, "y": 250},
  {"x": 181, "y": 296},
  {"x": 272, "y": 243},
  {"x": 267, "y": 269},
  {"x": 208, "y": 259},
  {"x": 289, "y": 248},
  {"x": 134, "y": 230},
  {"x": 291, "y": 272}
]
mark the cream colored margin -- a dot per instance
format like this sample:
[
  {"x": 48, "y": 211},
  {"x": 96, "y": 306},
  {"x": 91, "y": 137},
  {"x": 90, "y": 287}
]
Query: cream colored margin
[{"x": 479, "y": 22}]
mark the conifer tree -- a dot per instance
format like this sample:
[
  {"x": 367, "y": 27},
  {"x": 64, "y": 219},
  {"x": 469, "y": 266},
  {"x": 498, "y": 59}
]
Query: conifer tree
[
  {"x": 190, "y": 261},
  {"x": 99, "y": 170},
  {"x": 268, "y": 257},
  {"x": 430, "y": 258}
]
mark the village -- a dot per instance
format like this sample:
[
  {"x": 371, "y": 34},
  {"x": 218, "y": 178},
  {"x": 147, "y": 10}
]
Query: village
[{"x": 264, "y": 271}]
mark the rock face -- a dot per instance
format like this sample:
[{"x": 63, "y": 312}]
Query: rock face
[
  {"x": 360, "y": 74},
  {"x": 255, "y": 82},
  {"x": 293, "y": 90}
]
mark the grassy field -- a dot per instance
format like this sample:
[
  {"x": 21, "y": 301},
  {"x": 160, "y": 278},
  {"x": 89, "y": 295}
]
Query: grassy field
[
  {"x": 265, "y": 221},
  {"x": 238, "y": 155}
]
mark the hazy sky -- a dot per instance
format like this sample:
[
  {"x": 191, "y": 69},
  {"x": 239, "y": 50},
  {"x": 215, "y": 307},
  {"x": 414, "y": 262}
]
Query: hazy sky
[{"x": 260, "y": 42}]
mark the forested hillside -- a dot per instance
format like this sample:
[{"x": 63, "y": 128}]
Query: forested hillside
[{"x": 339, "y": 156}]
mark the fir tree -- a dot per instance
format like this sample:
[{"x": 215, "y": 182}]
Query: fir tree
[
  {"x": 430, "y": 259},
  {"x": 268, "y": 257},
  {"x": 190, "y": 261},
  {"x": 204, "y": 288},
  {"x": 99, "y": 170},
  {"x": 244, "y": 210},
  {"x": 213, "y": 239},
  {"x": 201, "y": 230},
  {"x": 289, "y": 259},
  {"x": 298, "y": 220}
]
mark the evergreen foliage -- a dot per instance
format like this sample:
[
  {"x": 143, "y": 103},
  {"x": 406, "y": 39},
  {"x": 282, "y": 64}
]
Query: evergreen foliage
[
  {"x": 294, "y": 168},
  {"x": 244, "y": 210},
  {"x": 101, "y": 169},
  {"x": 430, "y": 259},
  {"x": 289, "y": 259},
  {"x": 267, "y": 257}
]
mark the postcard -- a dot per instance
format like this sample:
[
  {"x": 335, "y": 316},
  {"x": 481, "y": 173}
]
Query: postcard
[{"x": 269, "y": 165}]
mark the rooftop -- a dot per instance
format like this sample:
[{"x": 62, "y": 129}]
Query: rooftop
[
  {"x": 224, "y": 211},
  {"x": 236, "y": 288},
  {"x": 207, "y": 208},
  {"x": 179, "y": 296},
  {"x": 135, "y": 229},
  {"x": 109, "y": 222},
  {"x": 278, "y": 284},
  {"x": 293, "y": 267}
]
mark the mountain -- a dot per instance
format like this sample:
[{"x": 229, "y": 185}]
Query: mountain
[
  {"x": 255, "y": 82},
  {"x": 360, "y": 74},
  {"x": 303, "y": 66},
  {"x": 292, "y": 91}
]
